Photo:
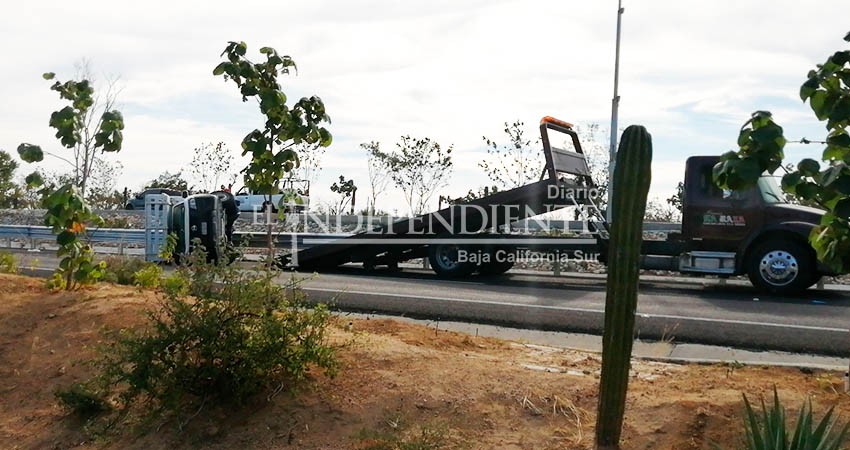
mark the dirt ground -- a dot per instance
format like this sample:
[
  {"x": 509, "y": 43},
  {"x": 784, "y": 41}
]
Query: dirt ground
[{"x": 400, "y": 386}]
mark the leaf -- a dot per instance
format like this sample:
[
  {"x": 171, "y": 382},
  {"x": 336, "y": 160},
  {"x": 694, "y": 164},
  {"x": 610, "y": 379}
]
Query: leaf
[
  {"x": 767, "y": 133},
  {"x": 808, "y": 88},
  {"x": 30, "y": 153},
  {"x": 66, "y": 237},
  {"x": 840, "y": 57},
  {"x": 817, "y": 101},
  {"x": 66, "y": 123},
  {"x": 115, "y": 118},
  {"x": 806, "y": 190},
  {"x": 760, "y": 118},
  {"x": 34, "y": 180},
  {"x": 744, "y": 137},
  {"x": 808, "y": 167},
  {"x": 248, "y": 90},
  {"x": 748, "y": 169},
  {"x": 48, "y": 75},
  {"x": 842, "y": 208},
  {"x": 841, "y": 139},
  {"x": 842, "y": 184},
  {"x": 790, "y": 181},
  {"x": 832, "y": 152},
  {"x": 219, "y": 69},
  {"x": 325, "y": 137},
  {"x": 840, "y": 109}
]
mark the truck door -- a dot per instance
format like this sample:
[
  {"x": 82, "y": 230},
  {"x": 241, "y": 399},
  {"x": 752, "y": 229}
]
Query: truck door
[
  {"x": 243, "y": 196},
  {"x": 716, "y": 219}
]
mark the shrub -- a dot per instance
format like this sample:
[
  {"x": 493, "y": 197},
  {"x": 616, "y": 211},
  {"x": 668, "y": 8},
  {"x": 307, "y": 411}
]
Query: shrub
[
  {"x": 122, "y": 270},
  {"x": 116, "y": 221},
  {"x": 55, "y": 282},
  {"x": 768, "y": 430},
  {"x": 82, "y": 401},
  {"x": 241, "y": 334},
  {"x": 8, "y": 263},
  {"x": 148, "y": 276},
  {"x": 175, "y": 285}
]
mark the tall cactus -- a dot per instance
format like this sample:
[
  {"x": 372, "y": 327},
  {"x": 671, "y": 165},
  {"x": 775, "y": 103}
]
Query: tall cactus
[{"x": 631, "y": 185}]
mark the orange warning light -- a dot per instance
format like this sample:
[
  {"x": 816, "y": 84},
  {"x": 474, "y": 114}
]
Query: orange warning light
[{"x": 554, "y": 121}]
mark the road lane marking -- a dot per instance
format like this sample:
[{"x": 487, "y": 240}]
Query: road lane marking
[{"x": 583, "y": 310}]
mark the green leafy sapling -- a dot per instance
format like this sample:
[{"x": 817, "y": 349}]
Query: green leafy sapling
[
  {"x": 272, "y": 148},
  {"x": 67, "y": 214}
]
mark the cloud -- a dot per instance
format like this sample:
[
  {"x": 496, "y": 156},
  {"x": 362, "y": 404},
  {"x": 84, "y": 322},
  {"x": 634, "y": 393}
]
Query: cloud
[{"x": 453, "y": 71}]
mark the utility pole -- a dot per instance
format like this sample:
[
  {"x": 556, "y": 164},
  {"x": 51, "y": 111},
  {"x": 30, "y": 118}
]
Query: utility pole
[{"x": 615, "y": 104}]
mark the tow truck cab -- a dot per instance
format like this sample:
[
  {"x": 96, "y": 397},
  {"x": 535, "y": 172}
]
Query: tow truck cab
[{"x": 753, "y": 231}]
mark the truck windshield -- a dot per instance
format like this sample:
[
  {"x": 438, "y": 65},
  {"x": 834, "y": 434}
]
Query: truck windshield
[{"x": 770, "y": 190}]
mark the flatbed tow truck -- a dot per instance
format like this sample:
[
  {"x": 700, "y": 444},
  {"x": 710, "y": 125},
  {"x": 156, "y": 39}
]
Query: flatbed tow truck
[{"x": 724, "y": 233}]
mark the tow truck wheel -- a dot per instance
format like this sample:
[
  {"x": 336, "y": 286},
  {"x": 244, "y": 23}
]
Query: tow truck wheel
[
  {"x": 781, "y": 267},
  {"x": 445, "y": 260},
  {"x": 498, "y": 263}
]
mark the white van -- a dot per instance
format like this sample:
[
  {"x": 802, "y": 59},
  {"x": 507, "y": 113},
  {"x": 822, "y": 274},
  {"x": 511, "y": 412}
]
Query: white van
[{"x": 293, "y": 196}]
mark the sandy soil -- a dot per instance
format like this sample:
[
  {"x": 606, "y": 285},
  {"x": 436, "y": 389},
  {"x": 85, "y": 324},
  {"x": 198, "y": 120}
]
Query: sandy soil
[{"x": 400, "y": 385}]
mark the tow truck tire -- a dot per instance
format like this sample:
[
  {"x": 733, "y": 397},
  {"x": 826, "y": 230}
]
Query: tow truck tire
[
  {"x": 495, "y": 268},
  {"x": 444, "y": 261},
  {"x": 782, "y": 266},
  {"x": 498, "y": 263}
]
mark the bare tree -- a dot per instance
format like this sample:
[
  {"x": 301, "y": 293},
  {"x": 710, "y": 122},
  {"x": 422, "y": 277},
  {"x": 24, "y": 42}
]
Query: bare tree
[
  {"x": 168, "y": 180},
  {"x": 309, "y": 161},
  {"x": 102, "y": 181},
  {"x": 419, "y": 167},
  {"x": 379, "y": 175},
  {"x": 658, "y": 211},
  {"x": 27, "y": 197},
  {"x": 515, "y": 164},
  {"x": 677, "y": 199},
  {"x": 210, "y": 165}
]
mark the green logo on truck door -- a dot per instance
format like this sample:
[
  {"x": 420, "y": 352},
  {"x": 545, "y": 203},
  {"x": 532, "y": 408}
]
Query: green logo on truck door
[{"x": 723, "y": 220}]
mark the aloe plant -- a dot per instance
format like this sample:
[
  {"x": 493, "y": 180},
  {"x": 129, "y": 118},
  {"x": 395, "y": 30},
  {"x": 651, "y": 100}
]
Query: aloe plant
[
  {"x": 768, "y": 430},
  {"x": 631, "y": 185}
]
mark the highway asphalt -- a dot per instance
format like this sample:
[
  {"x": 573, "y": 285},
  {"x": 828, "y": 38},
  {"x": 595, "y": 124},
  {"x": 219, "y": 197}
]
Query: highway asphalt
[{"x": 732, "y": 315}]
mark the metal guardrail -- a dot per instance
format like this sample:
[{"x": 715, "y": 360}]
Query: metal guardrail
[
  {"x": 126, "y": 237},
  {"x": 37, "y": 234}
]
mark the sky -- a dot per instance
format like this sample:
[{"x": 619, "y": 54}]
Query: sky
[{"x": 453, "y": 71}]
